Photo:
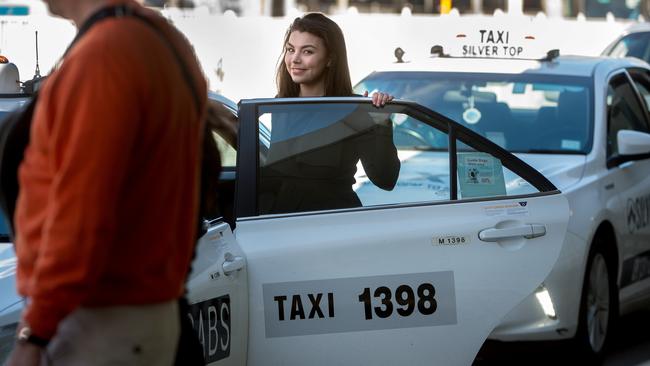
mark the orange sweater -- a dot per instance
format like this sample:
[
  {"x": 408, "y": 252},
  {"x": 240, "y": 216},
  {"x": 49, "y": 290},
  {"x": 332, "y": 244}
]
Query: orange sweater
[{"x": 109, "y": 184}]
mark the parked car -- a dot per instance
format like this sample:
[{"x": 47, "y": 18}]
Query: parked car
[
  {"x": 583, "y": 122},
  {"x": 634, "y": 42},
  {"x": 12, "y": 96}
]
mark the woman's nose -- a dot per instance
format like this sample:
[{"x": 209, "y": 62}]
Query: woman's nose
[{"x": 295, "y": 58}]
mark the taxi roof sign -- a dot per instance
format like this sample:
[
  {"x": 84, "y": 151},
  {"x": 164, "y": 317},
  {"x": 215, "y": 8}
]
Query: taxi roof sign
[
  {"x": 438, "y": 51},
  {"x": 496, "y": 41}
]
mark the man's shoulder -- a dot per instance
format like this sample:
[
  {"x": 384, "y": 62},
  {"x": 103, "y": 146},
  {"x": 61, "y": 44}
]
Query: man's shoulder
[
  {"x": 118, "y": 41},
  {"x": 125, "y": 32}
]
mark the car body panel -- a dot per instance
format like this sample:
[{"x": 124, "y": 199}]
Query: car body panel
[
  {"x": 297, "y": 259},
  {"x": 320, "y": 248}
]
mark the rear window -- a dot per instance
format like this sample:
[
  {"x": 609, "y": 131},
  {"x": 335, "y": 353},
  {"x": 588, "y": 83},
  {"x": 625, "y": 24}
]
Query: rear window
[{"x": 522, "y": 113}]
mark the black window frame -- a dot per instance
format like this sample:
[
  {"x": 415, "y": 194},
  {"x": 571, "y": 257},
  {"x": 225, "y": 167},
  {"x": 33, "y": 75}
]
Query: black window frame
[
  {"x": 621, "y": 77},
  {"x": 248, "y": 156}
]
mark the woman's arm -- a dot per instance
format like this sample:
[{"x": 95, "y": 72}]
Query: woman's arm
[{"x": 379, "y": 156}]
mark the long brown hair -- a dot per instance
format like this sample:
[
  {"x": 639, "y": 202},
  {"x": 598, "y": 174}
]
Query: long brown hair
[{"x": 337, "y": 75}]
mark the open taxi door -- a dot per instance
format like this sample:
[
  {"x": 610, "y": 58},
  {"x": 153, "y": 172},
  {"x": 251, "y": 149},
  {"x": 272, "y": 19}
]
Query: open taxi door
[{"x": 416, "y": 273}]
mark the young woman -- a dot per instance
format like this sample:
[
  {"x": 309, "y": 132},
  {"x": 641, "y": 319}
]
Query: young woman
[
  {"x": 296, "y": 178},
  {"x": 316, "y": 62}
]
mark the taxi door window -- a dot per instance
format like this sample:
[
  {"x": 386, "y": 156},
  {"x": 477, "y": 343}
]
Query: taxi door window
[
  {"x": 348, "y": 155},
  {"x": 624, "y": 112}
]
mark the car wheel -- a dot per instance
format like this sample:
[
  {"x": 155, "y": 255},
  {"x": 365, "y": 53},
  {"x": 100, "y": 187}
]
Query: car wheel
[{"x": 599, "y": 306}]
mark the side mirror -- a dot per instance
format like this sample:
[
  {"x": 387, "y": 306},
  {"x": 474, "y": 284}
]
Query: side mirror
[{"x": 633, "y": 142}]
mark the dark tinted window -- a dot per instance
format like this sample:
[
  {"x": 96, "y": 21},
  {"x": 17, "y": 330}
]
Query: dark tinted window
[
  {"x": 348, "y": 155},
  {"x": 619, "y": 8},
  {"x": 624, "y": 111}
]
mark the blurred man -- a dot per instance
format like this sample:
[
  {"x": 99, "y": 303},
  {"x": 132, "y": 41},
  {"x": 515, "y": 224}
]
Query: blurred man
[{"x": 106, "y": 217}]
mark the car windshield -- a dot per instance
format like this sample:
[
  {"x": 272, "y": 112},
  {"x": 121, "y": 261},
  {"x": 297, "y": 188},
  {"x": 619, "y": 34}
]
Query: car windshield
[{"x": 521, "y": 113}]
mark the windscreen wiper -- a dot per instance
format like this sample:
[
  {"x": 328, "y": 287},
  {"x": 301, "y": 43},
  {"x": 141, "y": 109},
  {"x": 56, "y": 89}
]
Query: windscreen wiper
[{"x": 549, "y": 151}]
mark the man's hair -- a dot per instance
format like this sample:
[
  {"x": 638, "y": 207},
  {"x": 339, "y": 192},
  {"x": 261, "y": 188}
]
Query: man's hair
[{"x": 337, "y": 75}]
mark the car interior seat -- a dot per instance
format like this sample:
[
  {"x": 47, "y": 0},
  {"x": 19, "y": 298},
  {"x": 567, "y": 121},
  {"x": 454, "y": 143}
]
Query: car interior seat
[
  {"x": 570, "y": 129},
  {"x": 495, "y": 123}
]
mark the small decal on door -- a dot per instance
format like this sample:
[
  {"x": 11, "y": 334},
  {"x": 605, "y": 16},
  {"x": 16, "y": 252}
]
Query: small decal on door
[
  {"x": 519, "y": 208},
  {"x": 358, "y": 304},
  {"x": 451, "y": 240}
]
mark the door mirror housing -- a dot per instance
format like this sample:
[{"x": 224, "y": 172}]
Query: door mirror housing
[
  {"x": 633, "y": 143},
  {"x": 632, "y": 146}
]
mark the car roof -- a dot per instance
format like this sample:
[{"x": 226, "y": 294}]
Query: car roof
[
  {"x": 637, "y": 28},
  {"x": 584, "y": 66}
]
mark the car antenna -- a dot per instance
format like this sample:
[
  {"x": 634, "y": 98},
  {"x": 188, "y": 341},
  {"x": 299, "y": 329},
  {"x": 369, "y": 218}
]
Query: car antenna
[
  {"x": 551, "y": 55},
  {"x": 37, "y": 73},
  {"x": 438, "y": 51}
]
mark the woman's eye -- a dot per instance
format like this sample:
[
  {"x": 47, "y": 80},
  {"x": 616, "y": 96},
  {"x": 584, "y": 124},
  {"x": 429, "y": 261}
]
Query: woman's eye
[
  {"x": 290, "y": 50},
  {"x": 308, "y": 52}
]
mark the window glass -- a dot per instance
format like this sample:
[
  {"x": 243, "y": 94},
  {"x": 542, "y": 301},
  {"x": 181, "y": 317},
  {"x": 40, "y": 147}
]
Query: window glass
[
  {"x": 625, "y": 9},
  {"x": 645, "y": 93},
  {"x": 641, "y": 79},
  {"x": 483, "y": 175},
  {"x": 633, "y": 45},
  {"x": 336, "y": 156},
  {"x": 624, "y": 112},
  {"x": 228, "y": 153},
  {"x": 4, "y": 229},
  {"x": 504, "y": 108}
]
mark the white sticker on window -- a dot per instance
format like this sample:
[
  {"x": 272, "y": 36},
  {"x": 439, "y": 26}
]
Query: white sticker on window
[
  {"x": 480, "y": 175},
  {"x": 571, "y": 144}
]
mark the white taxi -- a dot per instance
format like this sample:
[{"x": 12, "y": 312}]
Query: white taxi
[
  {"x": 308, "y": 268},
  {"x": 418, "y": 271},
  {"x": 584, "y": 123}
]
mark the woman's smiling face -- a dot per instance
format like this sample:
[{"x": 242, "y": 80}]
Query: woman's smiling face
[{"x": 306, "y": 59}]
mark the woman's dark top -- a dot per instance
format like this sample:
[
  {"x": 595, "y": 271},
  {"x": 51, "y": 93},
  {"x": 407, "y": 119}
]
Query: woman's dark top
[{"x": 312, "y": 160}]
